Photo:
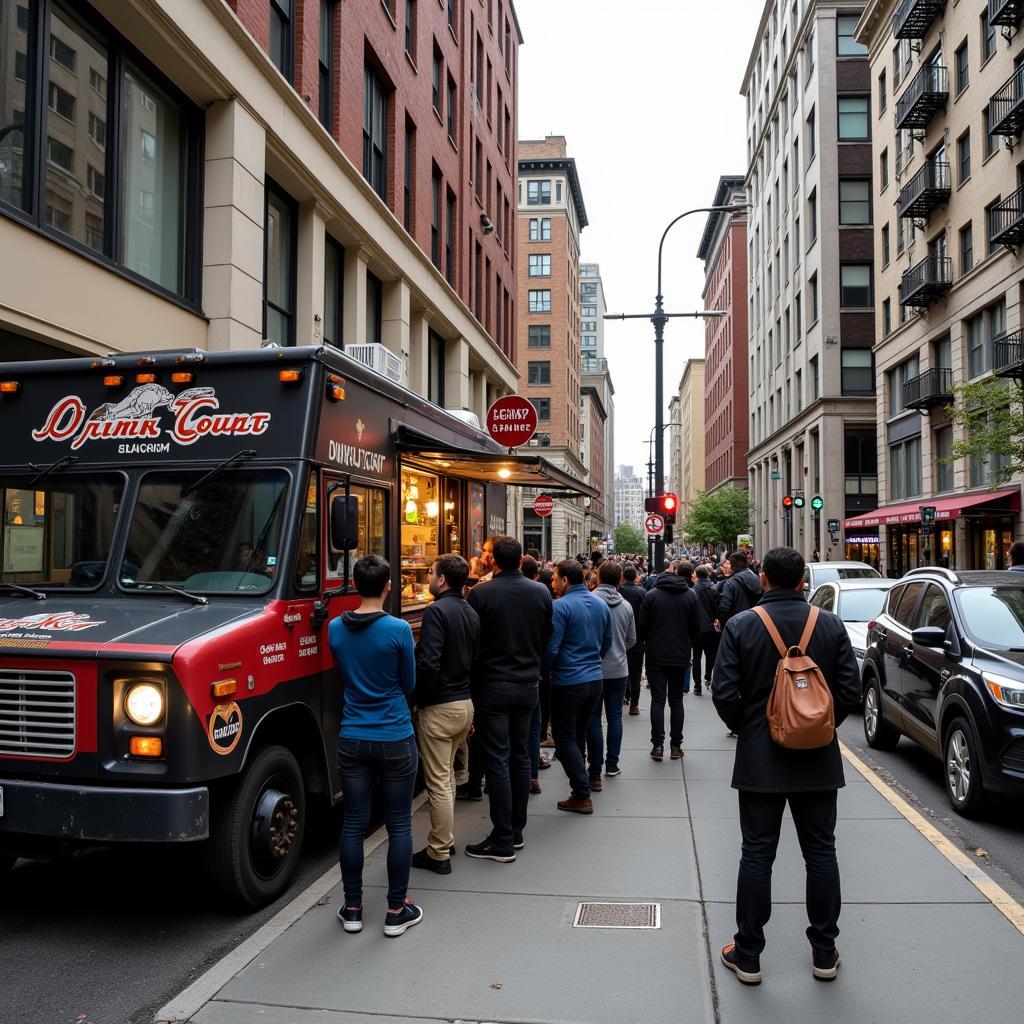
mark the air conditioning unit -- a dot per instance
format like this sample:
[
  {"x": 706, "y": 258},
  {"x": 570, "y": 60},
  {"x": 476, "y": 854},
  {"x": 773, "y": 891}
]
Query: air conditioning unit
[{"x": 378, "y": 358}]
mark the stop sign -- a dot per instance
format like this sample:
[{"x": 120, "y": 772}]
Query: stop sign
[
  {"x": 543, "y": 504},
  {"x": 511, "y": 421}
]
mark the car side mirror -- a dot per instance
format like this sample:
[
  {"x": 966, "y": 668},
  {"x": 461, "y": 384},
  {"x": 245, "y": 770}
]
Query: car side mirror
[
  {"x": 344, "y": 522},
  {"x": 929, "y": 636}
]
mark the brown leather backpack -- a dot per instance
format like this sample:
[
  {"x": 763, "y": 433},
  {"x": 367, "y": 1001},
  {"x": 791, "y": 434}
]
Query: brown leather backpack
[{"x": 801, "y": 714}]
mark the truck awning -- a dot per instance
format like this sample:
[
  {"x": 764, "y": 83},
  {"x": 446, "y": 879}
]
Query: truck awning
[{"x": 520, "y": 470}]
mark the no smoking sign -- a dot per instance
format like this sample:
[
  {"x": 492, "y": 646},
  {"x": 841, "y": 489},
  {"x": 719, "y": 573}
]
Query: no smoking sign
[{"x": 654, "y": 523}]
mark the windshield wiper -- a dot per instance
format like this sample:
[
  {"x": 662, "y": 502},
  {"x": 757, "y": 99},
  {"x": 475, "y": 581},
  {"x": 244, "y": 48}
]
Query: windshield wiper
[
  {"x": 37, "y": 594},
  {"x": 157, "y": 585},
  {"x": 41, "y": 471},
  {"x": 247, "y": 453}
]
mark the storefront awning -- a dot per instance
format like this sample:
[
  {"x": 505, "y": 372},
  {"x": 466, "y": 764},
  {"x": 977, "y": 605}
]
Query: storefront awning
[
  {"x": 521, "y": 470},
  {"x": 945, "y": 508}
]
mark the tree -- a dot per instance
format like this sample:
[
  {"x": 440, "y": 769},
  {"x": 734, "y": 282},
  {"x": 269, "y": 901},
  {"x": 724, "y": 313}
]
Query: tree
[
  {"x": 718, "y": 517},
  {"x": 992, "y": 414},
  {"x": 629, "y": 539}
]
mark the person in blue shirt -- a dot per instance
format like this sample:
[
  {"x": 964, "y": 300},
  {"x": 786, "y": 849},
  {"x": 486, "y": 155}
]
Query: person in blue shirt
[
  {"x": 376, "y": 658},
  {"x": 580, "y": 638}
]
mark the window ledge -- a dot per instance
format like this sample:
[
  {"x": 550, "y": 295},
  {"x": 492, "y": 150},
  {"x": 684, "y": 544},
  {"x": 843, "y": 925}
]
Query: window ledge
[
  {"x": 412, "y": 62},
  {"x": 390, "y": 16},
  {"x": 437, "y": 114},
  {"x": 451, "y": 32},
  {"x": 962, "y": 183}
]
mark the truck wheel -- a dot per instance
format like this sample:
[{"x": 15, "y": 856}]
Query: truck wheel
[
  {"x": 257, "y": 831},
  {"x": 877, "y": 731},
  {"x": 963, "y": 770}
]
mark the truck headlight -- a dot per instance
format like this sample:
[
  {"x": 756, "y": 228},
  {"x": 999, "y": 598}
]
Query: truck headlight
[{"x": 144, "y": 703}]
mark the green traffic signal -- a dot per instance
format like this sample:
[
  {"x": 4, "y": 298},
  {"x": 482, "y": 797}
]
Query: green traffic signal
[
  {"x": 798, "y": 501},
  {"x": 817, "y": 503}
]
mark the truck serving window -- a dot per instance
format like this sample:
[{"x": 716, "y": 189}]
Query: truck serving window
[
  {"x": 58, "y": 532},
  {"x": 222, "y": 536}
]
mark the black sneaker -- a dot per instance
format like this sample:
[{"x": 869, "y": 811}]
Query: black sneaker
[
  {"x": 518, "y": 842},
  {"x": 422, "y": 859},
  {"x": 398, "y": 924},
  {"x": 467, "y": 792},
  {"x": 825, "y": 966},
  {"x": 698, "y": 692},
  {"x": 351, "y": 918},
  {"x": 488, "y": 851},
  {"x": 747, "y": 969},
  {"x": 612, "y": 771}
]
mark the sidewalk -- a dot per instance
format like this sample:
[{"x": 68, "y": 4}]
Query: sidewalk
[{"x": 497, "y": 943}]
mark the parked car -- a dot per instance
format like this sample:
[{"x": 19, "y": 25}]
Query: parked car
[
  {"x": 817, "y": 573},
  {"x": 857, "y": 602},
  {"x": 945, "y": 667}
]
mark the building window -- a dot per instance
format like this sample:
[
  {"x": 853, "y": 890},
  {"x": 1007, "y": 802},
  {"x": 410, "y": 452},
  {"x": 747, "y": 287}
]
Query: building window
[
  {"x": 375, "y": 146},
  {"x": 860, "y": 462},
  {"x": 988, "y": 37},
  {"x": 812, "y": 215},
  {"x": 540, "y": 265},
  {"x": 883, "y": 169},
  {"x": 436, "y": 189},
  {"x": 538, "y": 192},
  {"x": 991, "y": 141},
  {"x": 883, "y": 98},
  {"x": 812, "y": 298},
  {"x": 326, "y": 86},
  {"x": 854, "y": 201},
  {"x": 981, "y": 330},
  {"x": 538, "y": 372},
  {"x": 810, "y": 139},
  {"x": 539, "y": 336},
  {"x": 962, "y": 68},
  {"x": 449, "y": 237},
  {"x": 453, "y": 16},
  {"x": 281, "y": 27},
  {"x": 990, "y": 246},
  {"x": 846, "y": 45},
  {"x": 334, "y": 275},
  {"x": 374, "y": 309},
  {"x": 885, "y": 245},
  {"x": 963, "y": 156},
  {"x": 966, "y": 248},
  {"x": 540, "y": 229},
  {"x": 987, "y": 471},
  {"x": 855, "y": 286},
  {"x": 435, "y": 82},
  {"x": 896, "y": 378},
  {"x": 942, "y": 450},
  {"x": 815, "y": 382},
  {"x": 853, "y": 118},
  {"x": 886, "y": 317},
  {"x": 899, "y": 236},
  {"x": 453, "y": 109},
  {"x": 409, "y": 166},
  {"x": 540, "y": 300},
  {"x": 435, "y": 368},
  {"x": 279, "y": 266},
  {"x": 410, "y": 31},
  {"x": 905, "y": 469},
  {"x": 543, "y": 407},
  {"x": 858, "y": 372}
]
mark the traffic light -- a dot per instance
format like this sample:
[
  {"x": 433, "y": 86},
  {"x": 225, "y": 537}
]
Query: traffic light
[
  {"x": 669, "y": 506},
  {"x": 787, "y": 501},
  {"x": 798, "y": 501},
  {"x": 817, "y": 503},
  {"x": 652, "y": 505}
]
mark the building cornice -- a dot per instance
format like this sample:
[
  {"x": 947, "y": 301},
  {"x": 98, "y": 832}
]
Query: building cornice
[
  {"x": 871, "y": 20},
  {"x": 725, "y": 185},
  {"x": 568, "y": 166}
]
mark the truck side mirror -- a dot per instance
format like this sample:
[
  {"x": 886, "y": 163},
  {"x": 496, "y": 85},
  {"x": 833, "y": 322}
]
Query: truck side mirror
[{"x": 344, "y": 522}]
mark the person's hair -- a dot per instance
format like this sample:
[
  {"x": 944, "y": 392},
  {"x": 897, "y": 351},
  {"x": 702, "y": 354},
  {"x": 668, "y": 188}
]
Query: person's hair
[
  {"x": 738, "y": 560},
  {"x": 666, "y": 565},
  {"x": 629, "y": 573},
  {"x": 571, "y": 570},
  {"x": 507, "y": 552},
  {"x": 544, "y": 576},
  {"x": 685, "y": 569},
  {"x": 1017, "y": 552},
  {"x": 596, "y": 557},
  {"x": 454, "y": 569},
  {"x": 371, "y": 574},
  {"x": 702, "y": 572},
  {"x": 534, "y": 553},
  {"x": 530, "y": 567},
  {"x": 610, "y": 573},
  {"x": 783, "y": 567}
]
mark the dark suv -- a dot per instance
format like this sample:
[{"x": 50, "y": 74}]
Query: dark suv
[{"x": 945, "y": 666}]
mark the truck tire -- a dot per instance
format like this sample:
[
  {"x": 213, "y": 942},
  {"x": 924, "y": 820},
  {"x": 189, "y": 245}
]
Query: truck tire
[{"x": 257, "y": 830}]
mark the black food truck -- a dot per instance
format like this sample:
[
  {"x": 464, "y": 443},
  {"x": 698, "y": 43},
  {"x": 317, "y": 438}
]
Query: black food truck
[{"x": 177, "y": 529}]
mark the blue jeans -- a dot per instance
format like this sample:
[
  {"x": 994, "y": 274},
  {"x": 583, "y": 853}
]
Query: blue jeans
[
  {"x": 361, "y": 765},
  {"x": 613, "y": 692},
  {"x": 670, "y": 681}
]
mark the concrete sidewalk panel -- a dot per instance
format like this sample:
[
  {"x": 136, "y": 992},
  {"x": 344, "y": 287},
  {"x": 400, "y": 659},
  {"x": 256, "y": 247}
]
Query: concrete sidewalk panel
[
  {"x": 219, "y": 1012},
  {"x": 900, "y": 963},
  {"x": 622, "y": 797},
  {"x": 503, "y": 958},
  {"x": 718, "y": 800}
]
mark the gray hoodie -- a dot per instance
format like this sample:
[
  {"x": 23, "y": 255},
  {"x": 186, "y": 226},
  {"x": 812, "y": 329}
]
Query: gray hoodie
[{"x": 614, "y": 664}]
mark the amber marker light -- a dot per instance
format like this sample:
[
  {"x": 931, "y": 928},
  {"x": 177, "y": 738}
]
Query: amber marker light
[
  {"x": 335, "y": 388},
  {"x": 181, "y": 378},
  {"x": 146, "y": 746},
  {"x": 289, "y": 376},
  {"x": 9, "y": 387},
  {"x": 113, "y": 380},
  {"x": 224, "y": 688},
  {"x": 145, "y": 378}
]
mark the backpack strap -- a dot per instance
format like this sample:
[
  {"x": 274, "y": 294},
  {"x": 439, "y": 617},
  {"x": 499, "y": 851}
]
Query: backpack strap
[
  {"x": 812, "y": 621},
  {"x": 773, "y": 631}
]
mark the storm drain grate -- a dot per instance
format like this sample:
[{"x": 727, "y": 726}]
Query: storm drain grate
[{"x": 618, "y": 915}]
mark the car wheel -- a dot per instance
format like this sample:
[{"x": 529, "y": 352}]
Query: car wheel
[
  {"x": 257, "y": 831},
  {"x": 962, "y": 772},
  {"x": 877, "y": 731}
]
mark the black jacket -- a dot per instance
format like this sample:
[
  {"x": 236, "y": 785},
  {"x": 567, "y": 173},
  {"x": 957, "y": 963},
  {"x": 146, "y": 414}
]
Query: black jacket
[
  {"x": 449, "y": 637},
  {"x": 707, "y": 594},
  {"x": 742, "y": 590},
  {"x": 743, "y": 678},
  {"x": 515, "y": 623},
  {"x": 635, "y": 595},
  {"x": 671, "y": 618}
]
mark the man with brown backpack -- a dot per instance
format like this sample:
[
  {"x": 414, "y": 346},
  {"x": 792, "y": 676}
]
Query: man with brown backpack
[{"x": 781, "y": 761}]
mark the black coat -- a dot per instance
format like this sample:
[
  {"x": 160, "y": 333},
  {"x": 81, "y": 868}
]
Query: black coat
[
  {"x": 707, "y": 594},
  {"x": 671, "y": 618},
  {"x": 449, "y": 636},
  {"x": 635, "y": 595},
  {"x": 742, "y": 590},
  {"x": 743, "y": 678}
]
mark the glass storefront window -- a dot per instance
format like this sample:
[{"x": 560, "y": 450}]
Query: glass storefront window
[
  {"x": 370, "y": 536},
  {"x": 420, "y": 515}
]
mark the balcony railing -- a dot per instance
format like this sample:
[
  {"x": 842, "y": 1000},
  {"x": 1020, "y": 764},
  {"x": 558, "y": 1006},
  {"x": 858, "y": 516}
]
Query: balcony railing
[
  {"x": 1006, "y": 220},
  {"x": 913, "y": 18},
  {"x": 925, "y": 191},
  {"x": 933, "y": 387},
  {"x": 1008, "y": 354},
  {"x": 1005, "y": 12},
  {"x": 927, "y": 281},
  {"x": 1006, "y": 108},
  {"x": 926, "y": 94}
]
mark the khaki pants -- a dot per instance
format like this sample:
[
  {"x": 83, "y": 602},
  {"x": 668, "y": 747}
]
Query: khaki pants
[{"x": 440, "y": 729}]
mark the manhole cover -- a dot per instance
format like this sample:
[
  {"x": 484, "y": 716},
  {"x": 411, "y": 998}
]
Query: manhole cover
[{"x": 618, "y": 915}]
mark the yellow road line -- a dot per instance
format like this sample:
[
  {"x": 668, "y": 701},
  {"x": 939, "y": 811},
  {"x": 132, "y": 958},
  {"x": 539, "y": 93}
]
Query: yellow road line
[{"x": 991, "y": 890}]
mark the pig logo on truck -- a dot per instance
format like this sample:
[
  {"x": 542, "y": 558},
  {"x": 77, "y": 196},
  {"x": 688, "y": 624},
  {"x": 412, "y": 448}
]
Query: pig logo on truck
[{"x": 137, "y": 418}]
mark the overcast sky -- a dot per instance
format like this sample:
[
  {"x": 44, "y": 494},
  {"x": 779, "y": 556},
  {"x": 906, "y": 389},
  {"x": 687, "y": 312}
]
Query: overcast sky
[{"x": 647, "y": 95}]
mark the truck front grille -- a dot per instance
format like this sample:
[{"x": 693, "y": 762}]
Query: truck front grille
[{"x": 37, "y": 713}]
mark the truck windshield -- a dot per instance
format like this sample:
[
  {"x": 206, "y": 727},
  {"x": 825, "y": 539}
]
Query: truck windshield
[
  {"x": 58, "y": 532},
  {"x": 223, "y": 536}
]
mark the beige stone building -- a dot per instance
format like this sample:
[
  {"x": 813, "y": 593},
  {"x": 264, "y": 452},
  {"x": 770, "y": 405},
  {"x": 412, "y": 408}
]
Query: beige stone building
[
  {"x": 947, "y": 112},
  {"x": 691, "y": 434}
]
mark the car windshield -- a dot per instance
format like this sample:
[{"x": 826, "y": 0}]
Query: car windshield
[
  {"x": 994, "y": 616},
  {"x": 58, "y": 531},
  {"x": 860, "y": 605},
  {"x": 829, "y": 574},
  {"x": 223, "y": 535}
]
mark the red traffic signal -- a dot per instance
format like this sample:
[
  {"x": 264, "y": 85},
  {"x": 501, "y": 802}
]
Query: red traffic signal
[
  {"x": 669, "y": 507},
  {"x": 787, "y": 501}
]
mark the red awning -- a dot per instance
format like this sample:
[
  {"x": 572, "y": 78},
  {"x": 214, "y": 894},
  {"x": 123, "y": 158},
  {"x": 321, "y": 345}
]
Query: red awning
[{"x": 945, "y": 508}]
